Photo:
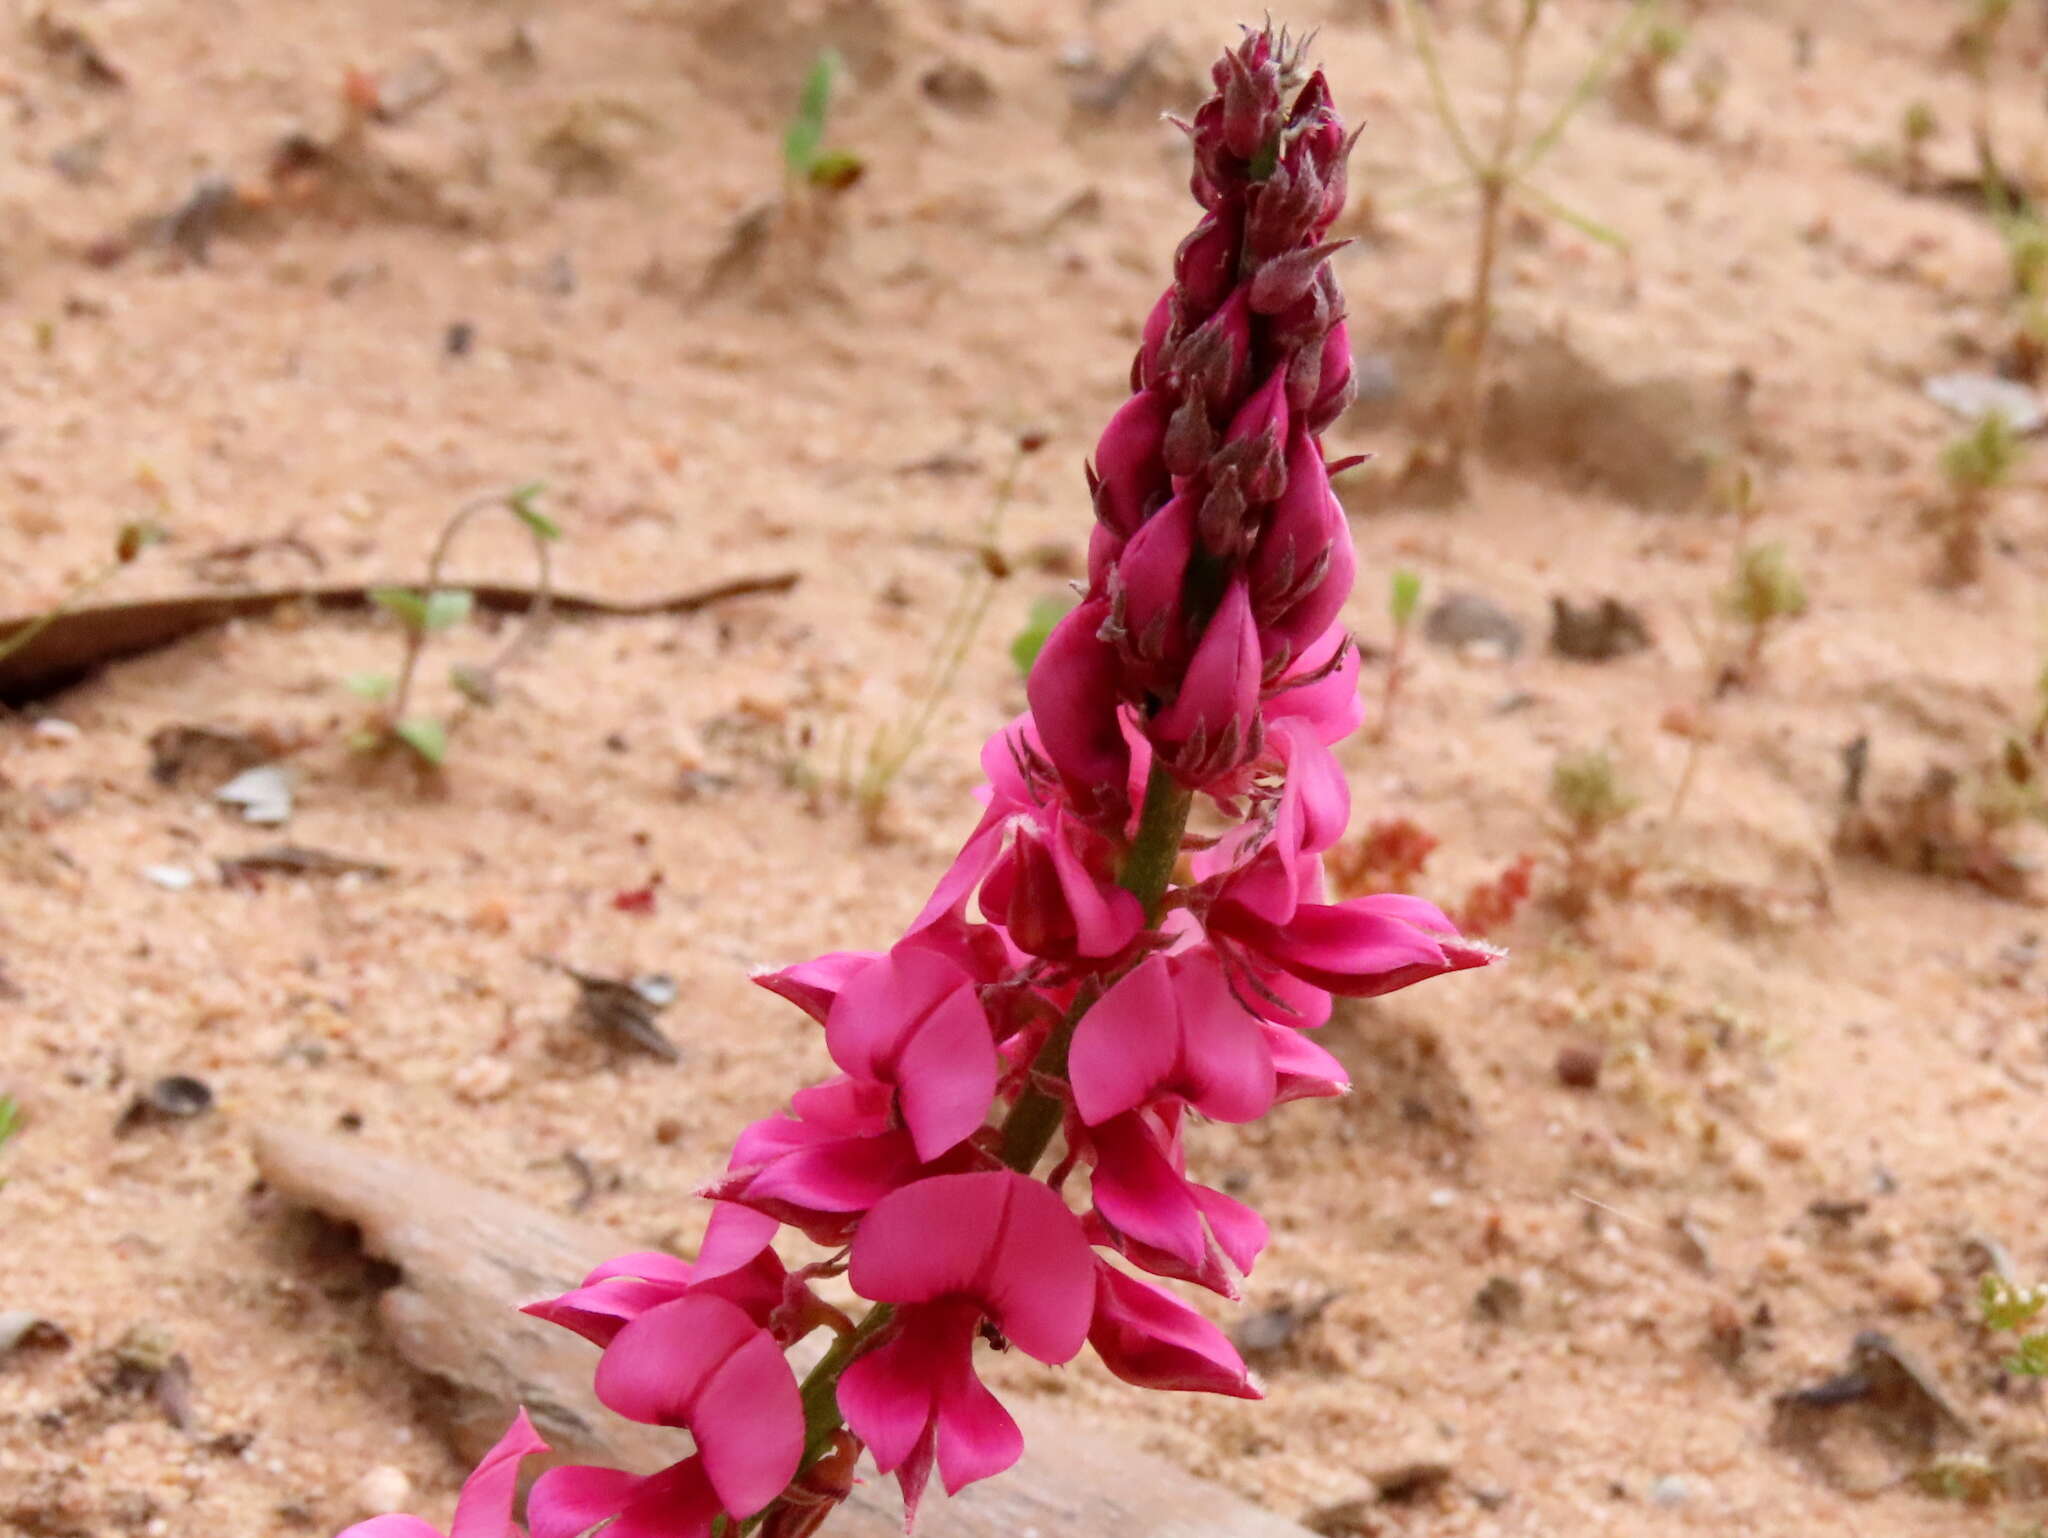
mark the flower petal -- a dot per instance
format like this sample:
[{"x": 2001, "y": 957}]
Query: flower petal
[
  {"x": 1148, "y": 1337},
  {"x": 484, "y": 1508}
]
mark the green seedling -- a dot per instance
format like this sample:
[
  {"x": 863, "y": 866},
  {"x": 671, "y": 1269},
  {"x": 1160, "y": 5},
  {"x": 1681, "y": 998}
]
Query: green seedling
[
  {"x": 1764, "y": 592},
  {"x": 10, "y": 1123},
  {"x": 2007, "y": 1309},
  {"x": 430, "y": 610},
  {"x": 129, "y": 543},
  {"x": 1590, "y": 801},
  {"x": 1404, "y": 594},
  {"x": 1976, "y": 466},
  {"x": 1500, "y": 176},
  {"x": 809, "y": 161}
]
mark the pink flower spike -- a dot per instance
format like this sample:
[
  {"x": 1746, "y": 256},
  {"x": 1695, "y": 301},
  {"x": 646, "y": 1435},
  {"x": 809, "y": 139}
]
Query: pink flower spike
[
  {"x": 914, "y": 1021},
  {"x": 1171, "y": 1027},
  {"x": 702, "y": 1364},
  {"x": 484, "y": 1508},
  {"x": 1148, "y": 1337},
  {"x": 677, "y": 1502}
]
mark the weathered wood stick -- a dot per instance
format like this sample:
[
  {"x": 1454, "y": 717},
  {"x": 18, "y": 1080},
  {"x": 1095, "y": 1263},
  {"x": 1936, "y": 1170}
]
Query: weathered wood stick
[
  {"x": 68, "y": 646},
  {"x": 470, "y": 1256}
]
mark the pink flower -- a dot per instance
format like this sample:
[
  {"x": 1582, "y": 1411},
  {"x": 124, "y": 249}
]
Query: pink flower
[
  {"x": 700, "y": 1363},
  {"x": 1053, "y": 892},
  {"x": 678, "y": 1502},
  {"x": 1152, "y": 1214},
  {"x": 819, "y": 1170},
  {"x": 913, "y": 1021},
  {"x": 735, "y": 1262},
  {"x": 1320, "y": 689},
  {"x": 956, "y": 1253},
  {"x": 1171, "y": 1026},
  {"x": 1148, "y": 1337},
  {"x": 484, "y": 1508},
  {"x": 1360, "y": 949}
]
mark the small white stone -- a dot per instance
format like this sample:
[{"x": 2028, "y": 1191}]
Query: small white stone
[
  {"x": 382, "y": 1489},
  {"x": 56, "y": 729},
  {"x": 1670, "y": 1491},
  {"x": 481, "y": 1078},
  {"x": 172, "y": 878}
]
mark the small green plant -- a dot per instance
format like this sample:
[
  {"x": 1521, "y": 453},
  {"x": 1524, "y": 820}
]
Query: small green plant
[
  {"x": 10, "y": 1123},
  {"x": 1590, "y": 801},
  {"x": 2007, "y": 1309},
  {"x": 1764, "y": 592},
  {"x": 1500, "y": 177},
  {"x": 1918, "y": 126},
  {"x": 1404, "y": 594},
  {"x": 129, "y": 543},
  {"x": 1976, "y": 466},
  {"x": 810, "y": 162},
  {"x": 430, "y": 610}
]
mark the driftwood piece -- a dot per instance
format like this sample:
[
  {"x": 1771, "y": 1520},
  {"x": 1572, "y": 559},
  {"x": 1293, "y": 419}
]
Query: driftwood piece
[
  {"x": 469, "y": 1256},
  {"x": 78, "y": 641}
]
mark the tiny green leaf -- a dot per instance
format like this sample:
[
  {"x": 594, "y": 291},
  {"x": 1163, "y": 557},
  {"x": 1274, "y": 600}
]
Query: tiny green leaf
[
  {"x": 402, "y": 604},
  {"x": 1404, "y": 594},
  {"x": 806, "y": 132},
  {"x": 473, "y": 684},
  {"x": 446, "y": 609},
  {"x": 10, "y": 1117},
  {"x": 366, "y": 740},
  {"x": 371, "y": 686},
  {"x": 1046, "y": 612},
  {"x": 425, "y": 736},
  {"x": 521, "y": 500},
  {"x": 835, "y": 170}
]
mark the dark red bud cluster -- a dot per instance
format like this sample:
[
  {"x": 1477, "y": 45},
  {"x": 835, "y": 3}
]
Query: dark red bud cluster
[{"x": 1215, "y": 563}]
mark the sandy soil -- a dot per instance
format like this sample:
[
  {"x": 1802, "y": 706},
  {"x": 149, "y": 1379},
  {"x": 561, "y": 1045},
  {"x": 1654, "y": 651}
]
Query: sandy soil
[{"x": 1819, "y": 1112}]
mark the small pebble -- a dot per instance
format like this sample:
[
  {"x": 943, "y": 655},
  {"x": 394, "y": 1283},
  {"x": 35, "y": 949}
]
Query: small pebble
[
  {"x": 1670, "y": 1491},
  {"x": 1909, "y": 1286},
  {"x": 481, "y": 1079},
  {"x": 1789, "y": 1143},
  {"x": 172, "y": 878},
  {"x": 55, "y": 729},
  {"x": 1579, "y": 1067},
  {"x": 382, "y": 1489}
]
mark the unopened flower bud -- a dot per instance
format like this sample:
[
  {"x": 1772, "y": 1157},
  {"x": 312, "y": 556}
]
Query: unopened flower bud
[
  {"x": 1251, "y": 97},
  {"x": 1288, "y": 279},
  {"x": 1130, "y": 468},
  {"x": 1073, "y": 690},
  {"x": 1205, "y": 266},
  {"x": 1302, "y": 567},
  {"x": 1212, "y": 725}
]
